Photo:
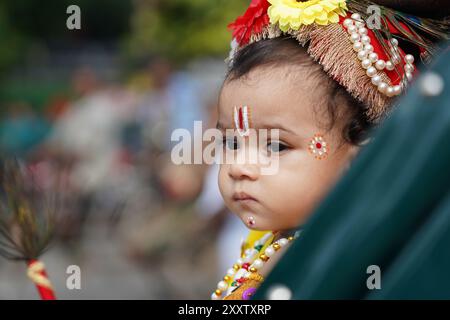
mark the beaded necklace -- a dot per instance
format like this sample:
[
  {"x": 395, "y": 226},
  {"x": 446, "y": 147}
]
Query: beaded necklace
[{"x": 251, "y": 261}]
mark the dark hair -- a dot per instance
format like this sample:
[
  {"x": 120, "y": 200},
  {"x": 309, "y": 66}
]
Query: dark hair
[{"x": 286, "y": 50}]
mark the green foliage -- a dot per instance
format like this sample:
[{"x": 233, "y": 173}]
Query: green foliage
[
  {"x": 182, "y": 29},
  {"x": 46, "y": 20},
  {"x": 12, "y": 42}
]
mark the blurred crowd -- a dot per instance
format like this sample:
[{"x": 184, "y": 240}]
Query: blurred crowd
[{"x": 104, "y": 149}]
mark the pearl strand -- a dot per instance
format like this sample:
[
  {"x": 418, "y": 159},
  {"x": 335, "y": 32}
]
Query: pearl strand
[
  {"x": 248, "y": 264},
  {"x": 236, "y": 272},
  {"x": 370, "y": 61}
]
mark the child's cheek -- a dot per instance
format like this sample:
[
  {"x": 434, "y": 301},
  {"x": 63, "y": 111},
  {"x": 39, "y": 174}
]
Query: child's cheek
[
  {"x": 223, "y": 183},
  {"x": 302, "y": 182}
]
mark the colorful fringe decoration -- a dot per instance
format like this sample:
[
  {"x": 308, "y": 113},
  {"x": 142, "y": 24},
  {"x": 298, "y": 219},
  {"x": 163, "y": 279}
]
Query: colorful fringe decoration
[
  {"x": 329, "y": 45},
  {"x": 26, "y": 223}
]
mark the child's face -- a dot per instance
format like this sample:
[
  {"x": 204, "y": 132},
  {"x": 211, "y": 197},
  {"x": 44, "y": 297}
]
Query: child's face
[{"x": 288, "y": 100}]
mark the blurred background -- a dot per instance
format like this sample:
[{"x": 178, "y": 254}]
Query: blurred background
[{"x": 90, "y": 112}]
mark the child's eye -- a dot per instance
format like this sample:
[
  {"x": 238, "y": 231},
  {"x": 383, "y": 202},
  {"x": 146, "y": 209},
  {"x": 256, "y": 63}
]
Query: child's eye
[
  {"x": 231, "y": 143},
  {"x": 276, "y": 146}
]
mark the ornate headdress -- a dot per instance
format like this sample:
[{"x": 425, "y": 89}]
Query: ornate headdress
[{"x": 358, "y": 43}]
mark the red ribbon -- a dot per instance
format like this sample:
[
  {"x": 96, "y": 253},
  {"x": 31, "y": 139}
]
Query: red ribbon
[{"x": 37, "y": 273}]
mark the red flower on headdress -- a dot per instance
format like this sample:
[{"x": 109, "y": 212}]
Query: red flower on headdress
[{"x": 252, "y": 22}]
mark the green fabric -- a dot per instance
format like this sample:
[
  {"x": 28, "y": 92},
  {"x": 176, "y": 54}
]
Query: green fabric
[{"x": 392, "y": 209}]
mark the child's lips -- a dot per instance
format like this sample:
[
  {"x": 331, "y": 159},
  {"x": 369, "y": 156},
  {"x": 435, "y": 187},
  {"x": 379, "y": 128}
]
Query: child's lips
[{"x": 243, "y": 197}]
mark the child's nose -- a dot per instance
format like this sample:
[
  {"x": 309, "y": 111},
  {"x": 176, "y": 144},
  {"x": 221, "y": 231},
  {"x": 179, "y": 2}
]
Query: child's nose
[{"x": 244, "y": 171}]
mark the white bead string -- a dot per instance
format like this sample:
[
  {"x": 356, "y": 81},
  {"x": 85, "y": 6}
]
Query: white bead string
[{"x": 369, "y": 60}]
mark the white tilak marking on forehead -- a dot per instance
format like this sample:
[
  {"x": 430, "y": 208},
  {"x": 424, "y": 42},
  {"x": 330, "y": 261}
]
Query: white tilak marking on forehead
[{"x": 242, "y": 120}]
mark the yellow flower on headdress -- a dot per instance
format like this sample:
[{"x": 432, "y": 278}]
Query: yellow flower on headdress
[{"x": 291, "y": 14}]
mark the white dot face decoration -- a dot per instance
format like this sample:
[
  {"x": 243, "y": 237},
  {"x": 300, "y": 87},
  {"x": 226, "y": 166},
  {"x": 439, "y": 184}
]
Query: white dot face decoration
[
  {"x": 251, "y": 221},
  {"x": 242, "y": 120},
  {"x": 318, "y": 147}
]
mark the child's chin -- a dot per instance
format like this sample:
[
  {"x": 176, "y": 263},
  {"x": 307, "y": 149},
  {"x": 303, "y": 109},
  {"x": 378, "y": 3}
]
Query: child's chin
[{"x": 257, "y": 226}]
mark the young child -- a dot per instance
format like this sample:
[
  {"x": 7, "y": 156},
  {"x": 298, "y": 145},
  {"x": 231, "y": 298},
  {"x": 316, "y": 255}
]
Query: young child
[{"x": 317, "y": 73}]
